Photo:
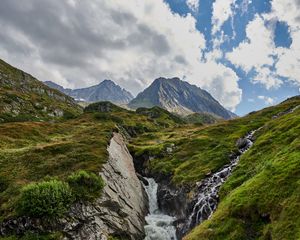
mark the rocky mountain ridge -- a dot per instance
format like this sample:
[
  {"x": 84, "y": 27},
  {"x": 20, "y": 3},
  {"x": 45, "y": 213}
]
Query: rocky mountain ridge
[
  {"x": 180, "y": 97},
  {"x": 107, "y": 90}
]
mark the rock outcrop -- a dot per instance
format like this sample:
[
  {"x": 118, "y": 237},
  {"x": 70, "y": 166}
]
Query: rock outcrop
[
  {"x": 122, "y": 208},
  {"x": 119, "y": 212}
]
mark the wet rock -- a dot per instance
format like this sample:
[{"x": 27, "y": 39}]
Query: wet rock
[{"x": 241, "y": 143}]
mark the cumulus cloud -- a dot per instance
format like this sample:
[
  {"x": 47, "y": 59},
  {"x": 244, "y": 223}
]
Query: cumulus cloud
[
  {"x": 258, "y": 52},
  {"x": 79, "y": 43},
  {"x": 222, "y": 11},
  {"x": 267, "y": 100}
]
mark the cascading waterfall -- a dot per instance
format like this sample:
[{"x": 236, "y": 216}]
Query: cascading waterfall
[
  {"x": 159, "y": 226},
  {"x": 207, "y": 198}
]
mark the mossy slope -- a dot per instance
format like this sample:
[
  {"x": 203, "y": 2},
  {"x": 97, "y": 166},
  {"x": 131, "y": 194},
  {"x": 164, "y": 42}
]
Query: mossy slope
[
  {"x": 23, "y": 98},
  {"x": 261, "y": 200}
]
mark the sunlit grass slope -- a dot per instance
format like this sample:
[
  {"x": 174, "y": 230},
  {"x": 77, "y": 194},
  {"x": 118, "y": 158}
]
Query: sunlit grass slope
[{"x": 261, "y": 200}]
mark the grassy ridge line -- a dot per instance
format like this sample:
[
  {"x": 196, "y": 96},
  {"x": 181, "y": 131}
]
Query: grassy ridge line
[{"x": 261, "y": 200}]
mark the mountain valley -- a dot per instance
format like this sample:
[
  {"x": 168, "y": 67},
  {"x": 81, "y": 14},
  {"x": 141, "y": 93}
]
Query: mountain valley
[{"x": 74, "y": 173}]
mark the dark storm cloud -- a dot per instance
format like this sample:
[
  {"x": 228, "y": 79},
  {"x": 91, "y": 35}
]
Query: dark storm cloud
[{"x": 66, "y": 35}]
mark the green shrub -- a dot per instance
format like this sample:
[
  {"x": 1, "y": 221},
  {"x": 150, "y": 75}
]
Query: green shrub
[
  {"x": 3, "y": 183},
  {"x": 45, "y": 199},
  {"x": 107, "y": 117},
  {"x": 86, "y": 186}
]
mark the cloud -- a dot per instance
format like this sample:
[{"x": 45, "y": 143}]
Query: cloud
[
  {"x": 222, "y": 11},
  {"x": 288, "y": 64},
  {"x": 79, "y": 43},
  {"x": 258, "y": 52},
  {"x": 193, "y": 5},
  {"x": 267, "y": 100}
]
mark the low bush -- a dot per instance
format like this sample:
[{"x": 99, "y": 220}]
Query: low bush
[
  {"x": 45, "y": 199},
  {"x": 86, "y": 186}
]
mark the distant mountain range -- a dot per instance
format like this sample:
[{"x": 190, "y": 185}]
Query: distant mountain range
[
  {"x": 172, "y": 94},
  {"x": 180, "y": 97},
  {"x": 104, "y": 91}
]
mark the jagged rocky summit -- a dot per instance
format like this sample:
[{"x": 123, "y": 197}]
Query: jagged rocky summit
[
  {"x": 180, "y": 97},
  {"x": 107, "y": 90}
]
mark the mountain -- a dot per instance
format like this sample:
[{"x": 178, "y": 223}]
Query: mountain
[
  {"x": 180, "y": 97},
  {"x": 104, "y": 91},
  {"x": 23, "y": 97},
  {"x": 50, "y": 184}
]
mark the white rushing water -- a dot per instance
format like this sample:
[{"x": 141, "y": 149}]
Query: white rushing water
[
  {"x": 208, "y": 189},
  {"x": 159, "y": 226}
]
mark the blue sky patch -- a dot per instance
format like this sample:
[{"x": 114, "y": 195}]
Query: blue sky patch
[{"x": 282, "y": 37}]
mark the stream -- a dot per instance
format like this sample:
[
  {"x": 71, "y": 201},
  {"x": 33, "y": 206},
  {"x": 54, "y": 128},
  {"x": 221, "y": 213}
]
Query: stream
[
  {"x": 159, "y": 226},
  {"x": 208, "y": 189}
]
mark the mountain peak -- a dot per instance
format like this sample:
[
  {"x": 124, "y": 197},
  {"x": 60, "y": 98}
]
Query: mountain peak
[
  {"x": 107, "y": 90},
  {"x": 108, "y": 82},
  {"x": 180, "y": 97}
]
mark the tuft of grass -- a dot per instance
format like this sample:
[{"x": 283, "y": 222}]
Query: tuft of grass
[
  {"x": 86, "y": 186},
  {"x": 45, "y": 199}
]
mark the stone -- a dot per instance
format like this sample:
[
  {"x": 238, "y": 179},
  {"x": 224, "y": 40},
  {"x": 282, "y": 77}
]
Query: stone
[{"x": 119, "y": 211}]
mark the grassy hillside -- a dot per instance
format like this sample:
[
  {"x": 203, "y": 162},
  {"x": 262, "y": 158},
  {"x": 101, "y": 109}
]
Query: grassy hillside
[
  {"x": 261, "y": 199},
  {"x": 31, "y": 152},
  {"x": 200, "y": 149},
  {"x": 23, "y": 98}
]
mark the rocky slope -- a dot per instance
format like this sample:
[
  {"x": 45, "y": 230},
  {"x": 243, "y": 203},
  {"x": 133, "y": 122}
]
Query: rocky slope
[
  {"x": 22, "y": 97},
  {"x": 180, "y": 97},
  {"x": 119, "y": 212},
  {"x": 104, "y": 91}
]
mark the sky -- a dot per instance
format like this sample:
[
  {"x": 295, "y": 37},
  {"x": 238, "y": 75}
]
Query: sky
[{"x": 246, "y": 53}]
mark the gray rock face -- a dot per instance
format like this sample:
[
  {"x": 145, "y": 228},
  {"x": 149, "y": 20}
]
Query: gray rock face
[
  {"x": 120, "y": 211},
  {"x": 122, "y": 208},
  {"x": 180, "y": 97},
  {"x": 104, "y": 91}
]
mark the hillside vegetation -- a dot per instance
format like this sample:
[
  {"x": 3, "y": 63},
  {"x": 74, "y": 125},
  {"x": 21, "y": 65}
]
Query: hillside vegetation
[
  {"x": 32, "y": 152},
  {"x": 46, "y": 166},
  {"x": 261, "y": 199},
  {"x": 23, "y": 98}
]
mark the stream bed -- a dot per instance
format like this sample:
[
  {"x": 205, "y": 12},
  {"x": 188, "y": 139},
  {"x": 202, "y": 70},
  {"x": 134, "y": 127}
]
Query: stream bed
[{"x": 159, "y": 226}]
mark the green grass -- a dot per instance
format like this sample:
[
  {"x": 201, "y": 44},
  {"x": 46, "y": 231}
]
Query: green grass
[
  {"x": 199, "y": 150},
  {"x": 32, "y": 152},
  {"x": 85, "y": 186},
  {"x": 45, "y": 199},
  {"x": 24, "y": 98},
  {"x": 261, "y": 200}
]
